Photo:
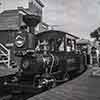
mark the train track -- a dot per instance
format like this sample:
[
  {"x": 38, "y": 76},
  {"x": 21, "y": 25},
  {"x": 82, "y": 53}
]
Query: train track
[
  {"x": 23, "y": 96},
  {"x": 6, "y": 97},
  {"x": 15, "y": 97}
]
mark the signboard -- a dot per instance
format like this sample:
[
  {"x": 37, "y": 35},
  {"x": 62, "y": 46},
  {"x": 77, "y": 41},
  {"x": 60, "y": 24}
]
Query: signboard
[{"x": 41, "y": 28}]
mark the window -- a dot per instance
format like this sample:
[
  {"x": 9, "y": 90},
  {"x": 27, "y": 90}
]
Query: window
[
  {"x": 73, "y": 45},
  {"x": 69, "y": 45},
  {"x": 61, "y": 44}
]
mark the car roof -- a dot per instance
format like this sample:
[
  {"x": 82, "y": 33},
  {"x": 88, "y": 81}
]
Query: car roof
[{"x": 52, "y": 34}]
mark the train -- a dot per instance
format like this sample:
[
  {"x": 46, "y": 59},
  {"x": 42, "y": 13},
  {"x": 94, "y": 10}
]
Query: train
[{"x": 53, "y": 59}]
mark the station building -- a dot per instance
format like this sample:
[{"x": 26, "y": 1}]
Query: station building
[
  {"x": 18, "y": 20},
  {"x": 12, "y": 20}
]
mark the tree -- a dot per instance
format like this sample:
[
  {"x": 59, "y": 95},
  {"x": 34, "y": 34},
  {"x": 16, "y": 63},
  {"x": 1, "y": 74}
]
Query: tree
[{"x": 95, "y": 34}]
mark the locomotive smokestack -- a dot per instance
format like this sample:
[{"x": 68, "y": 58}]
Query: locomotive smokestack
[
  {"x": 30, "y": 5},
  {"x": 35, "y": 7}
]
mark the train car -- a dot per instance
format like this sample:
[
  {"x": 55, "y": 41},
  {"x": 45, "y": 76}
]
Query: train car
[{"x": 53, "y": 61}]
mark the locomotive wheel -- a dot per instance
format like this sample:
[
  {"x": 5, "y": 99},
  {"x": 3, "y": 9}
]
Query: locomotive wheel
[
  {"x": 82, "y": 68},
  {"x": 64, "y": 78},
  {"x": 45, "y": 81},
  {"x": 36, "y": 80},
  {"x": 53, "y": 85}
]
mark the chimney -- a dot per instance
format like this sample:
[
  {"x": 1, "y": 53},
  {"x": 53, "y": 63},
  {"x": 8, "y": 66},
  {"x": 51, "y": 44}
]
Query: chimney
[
  {"x": 32, "y": 7},
  {"x": 30, "y": 4},
  {"x": 35, "y": 7}
]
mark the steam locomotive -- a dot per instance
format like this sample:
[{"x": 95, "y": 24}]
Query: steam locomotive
[{"x": 52, "y": 61}]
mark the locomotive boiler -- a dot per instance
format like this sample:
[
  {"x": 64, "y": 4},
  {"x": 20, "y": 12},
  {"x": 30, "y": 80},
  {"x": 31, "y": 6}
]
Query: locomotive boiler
[{"x": 53, "y": 61}]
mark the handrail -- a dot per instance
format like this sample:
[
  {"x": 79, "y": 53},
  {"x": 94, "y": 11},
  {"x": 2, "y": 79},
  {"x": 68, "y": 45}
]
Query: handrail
[
  {"x": 6, "y": 54},
  {"x": 2, "y": 52},
  {"x": 4, "y": 47}
]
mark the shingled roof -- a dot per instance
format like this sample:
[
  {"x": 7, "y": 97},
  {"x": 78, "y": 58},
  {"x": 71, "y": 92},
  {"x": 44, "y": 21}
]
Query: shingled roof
[{"x": 9, "y": 20}]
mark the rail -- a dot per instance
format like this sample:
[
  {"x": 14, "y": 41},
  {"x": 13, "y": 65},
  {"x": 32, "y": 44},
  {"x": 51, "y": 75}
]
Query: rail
[{"x": 4, "y": 55}]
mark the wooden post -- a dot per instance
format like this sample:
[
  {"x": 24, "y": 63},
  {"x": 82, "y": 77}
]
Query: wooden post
[
  {"x": 65, "y": 44},
  {"x": 31, "y": 30}
]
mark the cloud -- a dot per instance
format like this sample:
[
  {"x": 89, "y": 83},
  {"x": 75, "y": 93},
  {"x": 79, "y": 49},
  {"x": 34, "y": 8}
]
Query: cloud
[{"x": 80, "y": 17}]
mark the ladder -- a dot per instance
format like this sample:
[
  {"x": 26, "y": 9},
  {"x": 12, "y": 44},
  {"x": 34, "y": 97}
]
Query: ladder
[{"x": 4, "y": 55}]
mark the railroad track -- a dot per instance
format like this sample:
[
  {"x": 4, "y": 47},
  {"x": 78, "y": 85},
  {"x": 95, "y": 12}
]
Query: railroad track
[
  {"x": 6, "y": 97},
  {"x": 22, "y": 96}
]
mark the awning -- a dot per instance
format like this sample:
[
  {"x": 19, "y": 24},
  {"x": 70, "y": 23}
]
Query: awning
[{"x": 83, "y": 42}]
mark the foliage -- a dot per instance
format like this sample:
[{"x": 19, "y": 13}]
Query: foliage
[{"x": 95, "y": 34}]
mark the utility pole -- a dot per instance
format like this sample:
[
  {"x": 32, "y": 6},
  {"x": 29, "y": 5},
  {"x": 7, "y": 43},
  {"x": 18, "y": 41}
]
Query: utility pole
[{"x": 0, "y": 5}]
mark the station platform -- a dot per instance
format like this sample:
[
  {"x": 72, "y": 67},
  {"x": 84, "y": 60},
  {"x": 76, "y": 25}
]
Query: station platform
[{"x": 84, "y": 87}]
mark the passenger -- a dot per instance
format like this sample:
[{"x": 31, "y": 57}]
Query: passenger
[{"x": 94, "y": 55}]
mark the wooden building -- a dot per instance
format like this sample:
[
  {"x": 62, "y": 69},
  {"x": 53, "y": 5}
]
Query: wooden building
[
  {"x": 20, "y": 20},
  {"x": 12, "y": 20}
]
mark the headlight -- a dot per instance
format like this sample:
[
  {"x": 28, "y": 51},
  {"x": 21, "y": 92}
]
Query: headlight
[{"x": 19, "y": 41}]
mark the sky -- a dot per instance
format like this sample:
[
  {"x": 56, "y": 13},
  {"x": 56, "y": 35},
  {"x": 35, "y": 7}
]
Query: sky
[{"x": 79, "y": 17}]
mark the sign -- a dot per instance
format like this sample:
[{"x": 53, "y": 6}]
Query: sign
[{"x": 19, "y": 41}]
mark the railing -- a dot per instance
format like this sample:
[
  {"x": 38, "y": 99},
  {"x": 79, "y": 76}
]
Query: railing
[{"x": 4, "y": 55}]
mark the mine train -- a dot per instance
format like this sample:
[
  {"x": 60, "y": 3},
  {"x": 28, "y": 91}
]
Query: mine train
[{"x": 53, "y": 60}]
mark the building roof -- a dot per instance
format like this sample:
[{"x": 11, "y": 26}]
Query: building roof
[{"x": 9, "y": 20}]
